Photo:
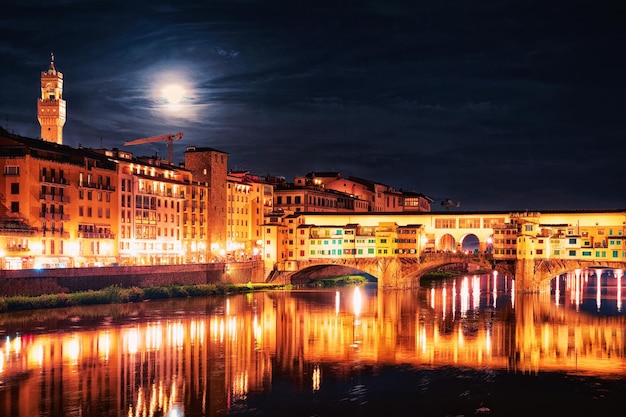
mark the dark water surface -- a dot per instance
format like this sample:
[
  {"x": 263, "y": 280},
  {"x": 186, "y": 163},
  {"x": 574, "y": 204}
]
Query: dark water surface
[{"x": 466, "y": 346}]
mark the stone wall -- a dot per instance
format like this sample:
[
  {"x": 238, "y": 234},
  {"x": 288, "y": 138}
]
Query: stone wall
[{"x": 34, "y": 282}]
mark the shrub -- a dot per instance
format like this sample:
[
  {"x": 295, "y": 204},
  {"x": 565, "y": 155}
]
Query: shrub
[
  {"x": 157, "y": 293},
  {"x": 132, "y": 295}
]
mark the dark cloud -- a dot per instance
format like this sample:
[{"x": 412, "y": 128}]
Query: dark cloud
[{"x": 497, "y": 104}]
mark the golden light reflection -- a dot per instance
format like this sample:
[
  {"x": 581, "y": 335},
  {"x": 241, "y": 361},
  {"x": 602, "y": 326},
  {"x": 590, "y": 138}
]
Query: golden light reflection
[
  {"x": 619, "y": 274},
  {"x": 475, "y": 292},
  {"x": 131, "y": 339},
  {"x": 357, "y": 301},
  {"x": 494, "y": 291},
  {"x": 317, "y": 377},
  {"x": 464, "y": 296},
  {"x": 159, "y": 367},
  {"x": 72, "y": 347},
  {"x": 104, "y": 345},
  {"x": 240, "y": 385}
]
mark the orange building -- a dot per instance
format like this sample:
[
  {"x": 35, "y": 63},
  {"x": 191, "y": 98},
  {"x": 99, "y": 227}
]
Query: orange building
[
  {"x": 66, "y": 198},
  {"x": 209, "y": 166}
]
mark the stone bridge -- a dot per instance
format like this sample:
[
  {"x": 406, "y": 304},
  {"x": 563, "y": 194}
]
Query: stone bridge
[
  {"x": 531, "y": 275},
  {"x": 534, "y": 275},
  {"x": 390, "y": 272}
]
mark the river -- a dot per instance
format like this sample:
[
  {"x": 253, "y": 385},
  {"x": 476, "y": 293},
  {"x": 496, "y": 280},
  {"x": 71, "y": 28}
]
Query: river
[{"x": 464, "y": 346}]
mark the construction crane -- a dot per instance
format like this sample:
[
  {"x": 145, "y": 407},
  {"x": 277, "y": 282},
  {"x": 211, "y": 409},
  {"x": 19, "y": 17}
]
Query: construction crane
[
  {"x": 168, "y": 137},
  {"x": 447, "y": 203}
]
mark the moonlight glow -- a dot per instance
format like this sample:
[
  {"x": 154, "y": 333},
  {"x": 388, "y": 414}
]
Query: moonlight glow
[
  {"x": 173, "y": 93},
  {"x": 173, "y": 96}
]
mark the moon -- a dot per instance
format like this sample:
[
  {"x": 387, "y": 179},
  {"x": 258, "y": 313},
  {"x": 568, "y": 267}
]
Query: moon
[{"x": 173, "y": 94}]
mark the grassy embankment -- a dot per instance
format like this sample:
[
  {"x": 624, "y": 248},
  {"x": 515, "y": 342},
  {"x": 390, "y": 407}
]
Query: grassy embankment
[
  {"x": 118, "y": 295},
  {"x": 340, "y": 281}
]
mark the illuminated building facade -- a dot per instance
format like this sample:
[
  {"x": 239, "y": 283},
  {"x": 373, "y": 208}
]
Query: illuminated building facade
[
  {"x": 593, "y": 236},
  {"x": 162, "y": 212},
  {"x": 412, "y": 201},
  {"x": 568, "y": 240},
  {"x": 329, "y": 192},
  {"x": 261, "y": 204},
  {"x": 51, "y": 108},
  {"x": 239, "y": 217},
  {"x": 410, "y": 240},
  {"x": 209, "y": 166},
  {"x": 275, "y": 242},
  {"x": 65, "y": 198}
]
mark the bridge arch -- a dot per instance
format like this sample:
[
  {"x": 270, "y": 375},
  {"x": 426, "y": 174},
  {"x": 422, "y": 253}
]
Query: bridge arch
[
  {"x": 446, "y": 243},
  {"x": 469, "y": 242},
  {"x": 535, "y": 275},
  {"x": 327, "y": 270}
]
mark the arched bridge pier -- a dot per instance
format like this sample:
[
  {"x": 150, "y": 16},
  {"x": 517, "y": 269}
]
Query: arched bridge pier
[
  {"x": 391, "y": 273},
  {"x": 534, "y": 275}
]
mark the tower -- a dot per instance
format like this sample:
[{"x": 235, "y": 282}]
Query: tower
[{"x": 51, "y": 106}]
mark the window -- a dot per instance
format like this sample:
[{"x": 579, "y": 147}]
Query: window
[
  {"x": 11, "y": 170},
  {"x": 445, "y": 223},
  {"x": 15, "y": 188},
  {"x": 15, "y": 206}
]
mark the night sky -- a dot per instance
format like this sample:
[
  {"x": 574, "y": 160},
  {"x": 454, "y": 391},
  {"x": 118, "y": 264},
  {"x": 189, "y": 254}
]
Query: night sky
[{"x": 500, "y": 105}]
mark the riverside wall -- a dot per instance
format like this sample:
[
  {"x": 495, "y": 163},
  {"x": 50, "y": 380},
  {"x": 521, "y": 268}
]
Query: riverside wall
[{"x": 34, "y": 282}]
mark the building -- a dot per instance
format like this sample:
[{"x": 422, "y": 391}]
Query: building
[
  {"x": 51, "y": 108},
  {"x": 415, "y": 202},
  {"x": 163, "y": 216},
  {"x": 66, "y": 200},
  {"x": 210, "y": 167},
  {"x": 250, "y": 199}
]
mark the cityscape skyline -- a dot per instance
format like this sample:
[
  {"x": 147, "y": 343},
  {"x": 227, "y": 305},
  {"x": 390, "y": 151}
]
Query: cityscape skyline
[{"x": 511, "y": 106}]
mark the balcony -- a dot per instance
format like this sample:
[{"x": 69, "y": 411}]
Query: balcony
[
  {"x": 16, "y": 248},
  {"x": 54, "y": 233},
  {"x": 16, "y": 232},
  {"x": 54, "y": 216},
  {"x": 54, "y": 180},
  {"x": 94, "y": 235},
  {"x": 54, "y": 198},
  {"x": 96, "y": 186}
]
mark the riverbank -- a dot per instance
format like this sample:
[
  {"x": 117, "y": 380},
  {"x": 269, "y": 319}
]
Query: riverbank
[{"x": 118, "y": 295}]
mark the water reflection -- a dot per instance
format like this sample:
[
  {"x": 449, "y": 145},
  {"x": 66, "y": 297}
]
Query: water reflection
[
  {"x": 592, "y": 290},
  {"x": 205, "y": 357}
]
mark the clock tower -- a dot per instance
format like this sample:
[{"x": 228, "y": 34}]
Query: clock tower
[{"x": 51, "y": 106}]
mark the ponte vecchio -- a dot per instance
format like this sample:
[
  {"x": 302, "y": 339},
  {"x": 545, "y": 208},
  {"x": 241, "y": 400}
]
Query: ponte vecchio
[{"x": 397, "y": 248}]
